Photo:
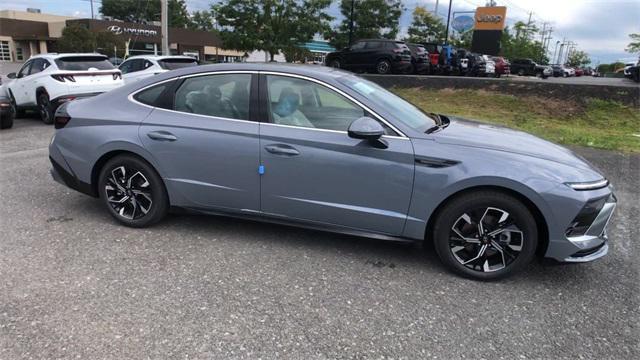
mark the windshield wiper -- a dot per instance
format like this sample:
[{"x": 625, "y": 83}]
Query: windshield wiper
[
  {"x": 433, "y": 129},
  {"x": 441, "y": 123}
]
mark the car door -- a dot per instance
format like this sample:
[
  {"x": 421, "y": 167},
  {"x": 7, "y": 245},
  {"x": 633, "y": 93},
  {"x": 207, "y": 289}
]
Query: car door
[
  {"x": 206, "y": 146},
  {"x": 132, "y": 70},
  {"x": 35, "y": 79},
  {"x": 352, "y": 56},
  {"x": 18, "y": 86},
  {"x": 313, "y": 171}
]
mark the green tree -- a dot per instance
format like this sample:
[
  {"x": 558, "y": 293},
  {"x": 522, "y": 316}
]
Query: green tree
[
  {"x": 634, "y": 45},
  {"x": 202, "y": 20},
  {"x": 270, "y": 25},
  {"x": 145, "y": 11},
  {"x": 371, "y": 19},
  {"x": 462, "y": 40},
  {"x": 425, "y": 26},
  {"x": 76, "y": 38},
  {"x": 578, "y": 58},
  {"x": 297, "y": 54}
]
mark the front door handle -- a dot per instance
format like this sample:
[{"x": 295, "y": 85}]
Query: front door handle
[
  {"x": 282, "y": 149},
  {"x": 162, "y": 136}
]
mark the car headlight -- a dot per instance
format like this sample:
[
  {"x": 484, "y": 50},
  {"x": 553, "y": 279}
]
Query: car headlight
[{"x": 591, "y": 185}]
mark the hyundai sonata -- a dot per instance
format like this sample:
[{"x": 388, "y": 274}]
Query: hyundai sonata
[{"x": 321, "y": 148}]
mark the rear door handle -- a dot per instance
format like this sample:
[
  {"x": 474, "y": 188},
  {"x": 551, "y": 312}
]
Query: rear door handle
[
  {"x": 282, "y": 149},
  {"x": 162, "y": 136}
]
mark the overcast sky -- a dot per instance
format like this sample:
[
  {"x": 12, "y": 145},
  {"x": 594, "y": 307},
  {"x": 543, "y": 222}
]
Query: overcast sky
[{"x": 599, "y": 27}]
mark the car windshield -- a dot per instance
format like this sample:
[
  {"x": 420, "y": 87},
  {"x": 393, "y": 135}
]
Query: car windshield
[
  {"x": 177, "y": 63},
  {"x": 403, "y": 110},
  {"x": 83, "y": 63}
]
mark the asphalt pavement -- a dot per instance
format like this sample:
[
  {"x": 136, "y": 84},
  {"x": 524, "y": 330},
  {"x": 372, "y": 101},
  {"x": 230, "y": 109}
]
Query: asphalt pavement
[{"x": 74, "y": 284}]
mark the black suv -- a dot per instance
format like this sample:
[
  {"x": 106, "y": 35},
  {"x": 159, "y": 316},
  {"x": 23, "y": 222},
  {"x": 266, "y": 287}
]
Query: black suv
[
  {"x": 378, "y": 55},
  {"x": 419, "y": 59},
  {"x": 529, "y": 67}
]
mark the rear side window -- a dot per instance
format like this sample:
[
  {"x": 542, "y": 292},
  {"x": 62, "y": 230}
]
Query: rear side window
[
  {"x": 84, "y": 63},
  {"x": 152, "y": 95},
  {"x": 373, "y": 45},
  {"x": 171, "y": 64},
  {"x": 225, "y": 96}
]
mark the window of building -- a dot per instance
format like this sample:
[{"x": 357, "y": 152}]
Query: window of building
[
  {"x": 5, "y": 54},
  {"x": 19, "y": 55}
]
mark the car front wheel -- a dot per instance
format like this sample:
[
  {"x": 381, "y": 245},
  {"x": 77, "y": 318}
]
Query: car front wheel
[
  {"x": 335, "y": 64},
  {"x": 45, "y": 108},
  {"x": 383, "y": 67},
  {"x": 485, "y": 235},
  {"x": 132, "y": 191}
]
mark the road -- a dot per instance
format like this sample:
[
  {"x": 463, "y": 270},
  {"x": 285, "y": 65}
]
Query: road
[{"x": 77, "y": 285}]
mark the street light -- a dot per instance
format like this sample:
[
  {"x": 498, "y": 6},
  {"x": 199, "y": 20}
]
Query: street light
[
  {"x": 554, "y": 51},
  {"x": 351, "y": 23},
  {"x": 446, "y": 39}
]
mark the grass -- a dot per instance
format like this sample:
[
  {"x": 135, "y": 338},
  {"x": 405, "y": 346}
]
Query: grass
[{"x": 596, "y": 123}]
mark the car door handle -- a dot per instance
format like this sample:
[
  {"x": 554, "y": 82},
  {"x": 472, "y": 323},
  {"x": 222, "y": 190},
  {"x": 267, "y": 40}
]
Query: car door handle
[
  {"x": 162, "y": 136},
  {"x": 282, "y": 149}
]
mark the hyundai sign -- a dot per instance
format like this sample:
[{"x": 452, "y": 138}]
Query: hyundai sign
[{"x": 119, "y": 30}]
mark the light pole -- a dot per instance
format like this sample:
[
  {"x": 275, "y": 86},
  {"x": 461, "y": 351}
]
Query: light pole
[
  {"x": 446, "y": 39},
  {"x": 351, "y": 23},
  {"x": 164, "y": 26},
  {"x": 554, "y": 51}
]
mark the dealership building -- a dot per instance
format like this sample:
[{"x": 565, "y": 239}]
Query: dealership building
[{"x": 26, "y": 33}]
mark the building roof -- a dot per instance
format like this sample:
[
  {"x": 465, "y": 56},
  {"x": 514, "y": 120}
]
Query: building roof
[{"x": 318, "y": 46}]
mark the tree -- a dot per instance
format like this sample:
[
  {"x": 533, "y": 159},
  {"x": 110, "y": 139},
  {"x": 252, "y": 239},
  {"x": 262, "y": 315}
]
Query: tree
[
  {"x": 371, "y": 19},
  {"x": 297, "y": 54},
  {"x": 425, "y": 26},
  {"x": 202, "y": 20},
  {"x": 270, "y": 25},
  {"x": 143, "y": 11},
  {"x": 578, "y": 58},
  {"x": 77, "y": 38},
  {"x": 634, "y": 45}
]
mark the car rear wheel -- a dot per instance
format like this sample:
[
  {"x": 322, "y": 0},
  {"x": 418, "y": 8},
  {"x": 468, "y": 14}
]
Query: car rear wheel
[
  {"x": 132, "y": 191},
  {"x": 45, "y": 108},
  {"x": 383, "y": 67},
  {"x": 6, "y": 121},
  {"x": 485, "y": 235},
  {"x": 521, "y": 72}
]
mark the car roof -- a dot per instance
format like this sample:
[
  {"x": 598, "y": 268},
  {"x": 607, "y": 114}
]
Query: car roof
[
  {"x": 161, "y": 57},
  {"x": 54, "y": 56}
]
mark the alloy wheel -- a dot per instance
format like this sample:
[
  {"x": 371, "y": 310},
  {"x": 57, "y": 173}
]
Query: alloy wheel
[
  {"x": 43, "y": 108},
  {"x": 128, "y": 192},
  {"x": 383, "y": 67},
  {"x": 486, "y": 239}
]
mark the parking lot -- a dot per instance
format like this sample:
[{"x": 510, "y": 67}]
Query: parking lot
[{"x": 77, "y": 285}]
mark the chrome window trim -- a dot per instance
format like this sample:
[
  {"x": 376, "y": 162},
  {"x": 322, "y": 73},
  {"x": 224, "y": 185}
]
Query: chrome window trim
[
  {"x": 380, "y": 118},
  {"x": 303, "y": 77}
]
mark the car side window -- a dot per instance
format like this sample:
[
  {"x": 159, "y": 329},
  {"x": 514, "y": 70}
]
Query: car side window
[
  {"x": 147, "y": 64},
  {"x": 224, "y": 95},
  {"x": 373, "y": 45},
  {"x": 358, "y": 46},
  {"x": 125, "y": 67},
  {"x": 303, "y": 103},
  {"x": 38, "y": 65},
  {"x": 24, "y": 71}
]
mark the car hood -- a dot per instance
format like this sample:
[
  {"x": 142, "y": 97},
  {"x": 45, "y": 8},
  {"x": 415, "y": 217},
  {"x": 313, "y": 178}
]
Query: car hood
[{"x": 481, "y": 135}]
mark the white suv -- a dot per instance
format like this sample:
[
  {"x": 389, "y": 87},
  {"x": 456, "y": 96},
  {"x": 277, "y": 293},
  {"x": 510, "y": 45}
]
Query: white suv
[
  {"x": 47, "y": 80},
  {"x": 142, "y": 66}
]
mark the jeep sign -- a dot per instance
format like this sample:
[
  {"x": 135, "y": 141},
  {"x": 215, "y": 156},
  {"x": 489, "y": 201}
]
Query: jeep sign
[
  {"x": 119, "y": 30},
  {"x": 490, "y": 18}
]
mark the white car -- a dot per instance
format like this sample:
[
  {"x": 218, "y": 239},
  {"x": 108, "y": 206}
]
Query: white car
[
  {"x": 142, "y": 66},
  {"x": 47, "y": 80},
  {"x": 568, "y": 72},
  {"x": 490, "y": 66},
  {"x": 627, "y": 68}
]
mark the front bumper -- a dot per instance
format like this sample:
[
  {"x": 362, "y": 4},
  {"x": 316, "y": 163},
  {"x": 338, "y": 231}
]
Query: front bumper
[{"x": 591, "y": 245}]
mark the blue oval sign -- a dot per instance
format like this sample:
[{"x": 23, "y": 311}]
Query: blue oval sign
[{"x": 462, "y": 23}]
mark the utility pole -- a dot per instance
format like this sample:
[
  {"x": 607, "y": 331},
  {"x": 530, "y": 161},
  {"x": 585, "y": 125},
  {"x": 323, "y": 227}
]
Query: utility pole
[
  {"x": 91, "y": 9},
  {"x": 164, "y": 26},
  {"x": 553, "y": 58},
  {"x": 529, "y": 24},
  {"x": 446, "y": 39},
  {"x": 435, "y": 11},
  {"x": 351, "y": 23}
]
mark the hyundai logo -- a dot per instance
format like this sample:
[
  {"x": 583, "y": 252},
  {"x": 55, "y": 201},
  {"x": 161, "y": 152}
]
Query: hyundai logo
[{"x": 115, "y": 29}]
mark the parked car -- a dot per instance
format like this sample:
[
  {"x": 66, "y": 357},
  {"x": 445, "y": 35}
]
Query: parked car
[
  {"x": 332, "y": 151},
  {"x": 579, "y": 72},
  {"x": 419, "y": 59},
  {"x": 569, "y": 71},
  {"x": 434, "y": 51},
  {"x": 490, "y": 66},
  {"x": 557, "y": 70},
  {"x": 377, "y": 55},
  {"x": 7, "y": 112},
  {"x": 634, "y": 73},
  {"x": 629, "y": 71},
  {"x": 475, "y": 64},
  {"x": 142, "y": 66},
  {"x": 47, "y": 80},
  {"x": 529, "y": 67},
  {"x": 502, "y": 66}
]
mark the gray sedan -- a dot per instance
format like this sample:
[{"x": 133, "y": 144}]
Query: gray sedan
[{"x": 320, "y": 148}]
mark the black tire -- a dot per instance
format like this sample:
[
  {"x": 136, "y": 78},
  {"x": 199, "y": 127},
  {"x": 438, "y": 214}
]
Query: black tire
[
  {"x": 521, "y": 72},
  {"x": 383, "y": 67},
  {"x": 335, "y": 64},
  {"x": 6, "y": 120},
  {"x": 466, "y": 260},
  {"x": 45, "y": 109},
  {"x": 153, "y": 196},
  {"x": 18, "y": 113}
]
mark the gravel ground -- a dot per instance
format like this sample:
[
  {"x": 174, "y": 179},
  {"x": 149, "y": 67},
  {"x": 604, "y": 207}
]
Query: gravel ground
[{"x": 77, "y": 285}]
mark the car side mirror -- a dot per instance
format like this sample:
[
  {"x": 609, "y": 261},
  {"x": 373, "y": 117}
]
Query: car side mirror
[
  {"x": 11, "y": 75},
  {"x": 369, "y": 129}
]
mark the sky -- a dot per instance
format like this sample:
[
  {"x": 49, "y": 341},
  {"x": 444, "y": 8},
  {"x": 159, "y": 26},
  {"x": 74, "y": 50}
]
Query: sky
[{"x": 599, "y": 27}]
